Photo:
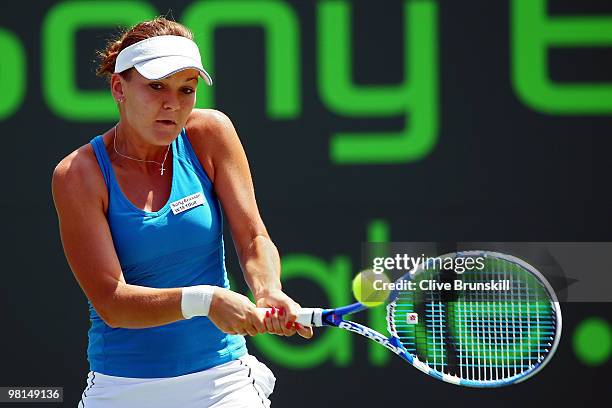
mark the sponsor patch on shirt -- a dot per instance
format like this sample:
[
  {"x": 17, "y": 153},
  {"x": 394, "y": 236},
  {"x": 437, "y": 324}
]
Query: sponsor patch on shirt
[{"x": 186, "y": 203}]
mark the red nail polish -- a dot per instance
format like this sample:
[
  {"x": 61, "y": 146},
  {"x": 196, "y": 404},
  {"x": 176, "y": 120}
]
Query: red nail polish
[
  {"x": 267, "y": 314},
  {"x": 281, "y": 311},
  {"x": 289, "y": 324},
  {"x": 273, "y": 310},
  {"x": 298, "y": 326}
]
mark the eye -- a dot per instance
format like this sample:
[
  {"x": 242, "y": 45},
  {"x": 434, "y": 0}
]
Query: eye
[
  {"x": 188, "y": 91},
  {"x": 156, "y": 85}
]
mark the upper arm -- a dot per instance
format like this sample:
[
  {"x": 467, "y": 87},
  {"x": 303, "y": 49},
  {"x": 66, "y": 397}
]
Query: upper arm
[
  {"x": 213, "y": 132},
  {"x": 84, "y": 230}
]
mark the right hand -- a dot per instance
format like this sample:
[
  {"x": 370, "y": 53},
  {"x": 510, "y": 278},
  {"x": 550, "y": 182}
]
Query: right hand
[{"x": 234, "y": 313}]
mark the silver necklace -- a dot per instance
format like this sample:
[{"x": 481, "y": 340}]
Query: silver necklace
[{"x": 161, "y": 170}]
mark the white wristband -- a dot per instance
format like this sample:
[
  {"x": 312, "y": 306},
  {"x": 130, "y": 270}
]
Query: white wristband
[{"x": 195, "y": 300}]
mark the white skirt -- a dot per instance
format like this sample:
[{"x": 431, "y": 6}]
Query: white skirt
[{"x": 241, "y": 383}]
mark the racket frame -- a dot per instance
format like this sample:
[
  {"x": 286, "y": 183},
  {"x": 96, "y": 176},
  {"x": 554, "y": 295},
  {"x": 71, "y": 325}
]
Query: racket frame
[{"x": 318, "y": 317}]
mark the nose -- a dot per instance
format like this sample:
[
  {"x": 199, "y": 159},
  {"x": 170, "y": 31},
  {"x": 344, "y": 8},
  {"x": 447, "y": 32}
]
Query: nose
[{"x": 171, "y": 101}]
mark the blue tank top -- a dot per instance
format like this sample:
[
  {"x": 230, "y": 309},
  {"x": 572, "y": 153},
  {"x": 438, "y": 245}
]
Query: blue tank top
[{"x": 164, "y": 250}]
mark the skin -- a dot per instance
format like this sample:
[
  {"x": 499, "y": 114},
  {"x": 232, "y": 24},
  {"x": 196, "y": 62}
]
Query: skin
[{"x": 81, "y": 201}]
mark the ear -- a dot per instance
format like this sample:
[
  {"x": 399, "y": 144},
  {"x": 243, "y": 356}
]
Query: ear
[{"x": 117, "y": 84}]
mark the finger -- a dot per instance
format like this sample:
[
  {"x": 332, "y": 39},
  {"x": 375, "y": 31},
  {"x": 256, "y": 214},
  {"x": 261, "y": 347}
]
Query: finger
[
  {"x": 268, "y": 323},
  {"x": 276, "y": 323},
  {"x": 258, "y": 322},
  {"x": 237, "y": 330},
  {"x": 251, "y": 330},
  {"x": 268, "y": 326},
  {"x": 289, "y": 329},
  {"x": 304, "y": 331},
  {"x": 291, "y": 311},
  {"x": 285, "y": 323}
]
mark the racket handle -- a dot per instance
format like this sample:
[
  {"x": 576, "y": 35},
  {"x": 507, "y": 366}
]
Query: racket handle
[
  {"x": 310, "y": 316},
  {"x": 306, "y": 316}
]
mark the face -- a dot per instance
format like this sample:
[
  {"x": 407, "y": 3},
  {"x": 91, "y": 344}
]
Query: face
[{"x": 157, "y": 109}]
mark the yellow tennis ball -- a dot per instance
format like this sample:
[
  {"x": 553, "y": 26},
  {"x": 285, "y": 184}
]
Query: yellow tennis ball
[{"x": 370, "y": 288}]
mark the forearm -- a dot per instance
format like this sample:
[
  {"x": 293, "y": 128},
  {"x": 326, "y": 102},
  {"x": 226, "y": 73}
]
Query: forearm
[
  {"x": 261, "y": 266},
  {"x": 136, "y": 307}
]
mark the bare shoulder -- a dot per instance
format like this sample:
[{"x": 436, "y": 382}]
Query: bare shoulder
[
  {"x": 213, "y": 138},
  {"x": 78, "y": 175},
  {"x": 209, "y": 125}
]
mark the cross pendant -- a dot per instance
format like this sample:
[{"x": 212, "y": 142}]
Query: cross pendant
[{"x": 162, "y": 170}]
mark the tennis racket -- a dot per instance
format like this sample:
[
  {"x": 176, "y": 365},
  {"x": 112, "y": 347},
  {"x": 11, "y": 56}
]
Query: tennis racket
[{"x": 466, "y": 336}]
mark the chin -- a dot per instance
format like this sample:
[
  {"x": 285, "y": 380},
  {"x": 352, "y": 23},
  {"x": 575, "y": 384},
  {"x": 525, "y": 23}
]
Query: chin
[{"x": 165, "y": 134}]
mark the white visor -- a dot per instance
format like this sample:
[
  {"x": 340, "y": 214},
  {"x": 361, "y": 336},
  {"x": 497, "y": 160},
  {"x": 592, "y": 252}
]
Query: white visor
[{"x": 161, "y": 56}]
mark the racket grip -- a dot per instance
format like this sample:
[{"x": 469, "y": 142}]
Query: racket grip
[
  {"x": 310, "y": 316},
  {"x": 306, "y": 316}
]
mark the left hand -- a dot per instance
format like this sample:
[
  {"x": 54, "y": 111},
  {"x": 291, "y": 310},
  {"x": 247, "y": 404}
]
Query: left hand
[{"x": 281, "y": 319}]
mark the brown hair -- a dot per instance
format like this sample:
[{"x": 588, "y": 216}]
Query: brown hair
[{"x": 141, "y": 31}]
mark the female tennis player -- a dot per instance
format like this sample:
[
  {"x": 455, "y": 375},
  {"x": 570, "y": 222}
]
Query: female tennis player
[{"x": 139, "y": 210}]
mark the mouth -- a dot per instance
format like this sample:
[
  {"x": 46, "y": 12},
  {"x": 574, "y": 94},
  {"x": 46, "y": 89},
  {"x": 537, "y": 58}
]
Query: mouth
[{"x": 166, "y": 122}]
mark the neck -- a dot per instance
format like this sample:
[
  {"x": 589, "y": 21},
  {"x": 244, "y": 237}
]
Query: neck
[
  {"x": 141, "y": 162},
  {"x": 130, "y": 142}
]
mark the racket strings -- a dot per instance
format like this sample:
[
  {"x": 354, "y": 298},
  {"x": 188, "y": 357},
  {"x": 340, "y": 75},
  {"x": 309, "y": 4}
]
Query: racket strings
[
  {"x": 495, "y": 323},
  {"x": 481, "y": 335}
]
